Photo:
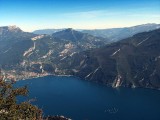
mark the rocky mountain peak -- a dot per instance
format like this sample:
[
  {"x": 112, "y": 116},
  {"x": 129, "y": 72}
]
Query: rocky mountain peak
[
  {"x": 68, "y": 30},
  {"x": 13, "y": 28},
  {"x": 10, "y": 29},
  {"x": 68, "y": 34}
]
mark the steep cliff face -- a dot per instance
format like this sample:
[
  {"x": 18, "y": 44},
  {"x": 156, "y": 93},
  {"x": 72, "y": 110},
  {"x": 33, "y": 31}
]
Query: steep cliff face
[{"x": 131, "y": 62}]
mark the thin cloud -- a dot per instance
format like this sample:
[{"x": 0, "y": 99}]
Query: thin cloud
[
  {"x": 90, "y": 14},
  {"x": 110, "y": 13}
]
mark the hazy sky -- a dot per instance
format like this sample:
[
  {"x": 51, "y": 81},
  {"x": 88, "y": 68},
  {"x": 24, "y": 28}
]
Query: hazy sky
[{"x": 86, "y": 14}]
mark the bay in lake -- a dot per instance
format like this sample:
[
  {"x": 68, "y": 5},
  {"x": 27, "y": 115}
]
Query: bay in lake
[{"x": 83, "y": 100}]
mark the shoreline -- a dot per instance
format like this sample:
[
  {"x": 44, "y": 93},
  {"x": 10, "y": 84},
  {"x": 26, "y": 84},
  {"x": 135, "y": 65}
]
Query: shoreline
[
  {"x": 34, "y": 77},
  {"x": 29, "y": 76},
  {"x": 107, "y": 85}
]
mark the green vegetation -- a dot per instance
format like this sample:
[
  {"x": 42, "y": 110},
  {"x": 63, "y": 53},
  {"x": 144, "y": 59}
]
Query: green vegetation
[{"x": 10, "y": 109}]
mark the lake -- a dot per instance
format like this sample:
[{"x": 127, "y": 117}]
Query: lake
[{"x": 83, "y": 100}]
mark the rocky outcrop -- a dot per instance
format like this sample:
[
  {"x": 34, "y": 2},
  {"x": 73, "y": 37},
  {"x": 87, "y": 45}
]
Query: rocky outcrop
[{"x": 56, "y": 118}]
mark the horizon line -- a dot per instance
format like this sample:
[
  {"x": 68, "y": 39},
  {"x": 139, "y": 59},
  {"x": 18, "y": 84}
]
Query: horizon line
[{"x": 78, "y": 28}]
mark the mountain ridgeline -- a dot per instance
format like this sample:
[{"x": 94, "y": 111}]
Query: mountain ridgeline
[
  {"x": 131, "y": 62},
  {"x": 116, "y": 34},
  {"x": 112, "y": 34},
  {"x": 26, "y": 52},
  {"x": 47, "y": 31}
]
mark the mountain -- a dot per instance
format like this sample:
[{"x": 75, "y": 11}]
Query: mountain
[
  {"x": 64, "y": 43},
  {"x": 36, "y": 53},
  {"x": 9, "y": 32},
  {"x": 69, "y": 34},
  {"x": 112, "y": 34},
  {"x": 13, "y": 42},
  {"x": 47, "y": 31},
  {"x": 132, "y": 62},
  {"x": 76, "y": 36},
  {"x": 115, "y": 34},
  {"x": 9, "y": 29}
]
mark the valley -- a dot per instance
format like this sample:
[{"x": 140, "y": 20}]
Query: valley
[{"x": 129, "y": 62}]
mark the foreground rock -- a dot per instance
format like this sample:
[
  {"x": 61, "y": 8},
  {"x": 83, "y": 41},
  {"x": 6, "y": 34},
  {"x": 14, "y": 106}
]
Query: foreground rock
[{"x": 56, "y": 118}]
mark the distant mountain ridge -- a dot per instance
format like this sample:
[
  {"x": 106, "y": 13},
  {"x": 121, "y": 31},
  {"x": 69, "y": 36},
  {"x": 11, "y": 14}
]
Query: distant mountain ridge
[
  {"x": 76, "y": 36},
  {"x": 47, "y": 31},
  {"x": 113, "y": 34}
]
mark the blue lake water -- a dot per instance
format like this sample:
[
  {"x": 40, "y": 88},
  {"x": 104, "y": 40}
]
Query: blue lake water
[{"x": 83, "y": 100}]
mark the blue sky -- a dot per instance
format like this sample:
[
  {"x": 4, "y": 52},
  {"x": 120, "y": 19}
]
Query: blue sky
[{"x": 30, "y": 15}]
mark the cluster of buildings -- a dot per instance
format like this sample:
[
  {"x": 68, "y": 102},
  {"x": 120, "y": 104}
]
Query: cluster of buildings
[{"x": 6, "y": 77}]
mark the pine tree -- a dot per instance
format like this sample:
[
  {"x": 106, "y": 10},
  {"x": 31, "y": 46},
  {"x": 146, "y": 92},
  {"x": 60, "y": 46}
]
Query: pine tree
[{"x": 10, "y": 109}]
